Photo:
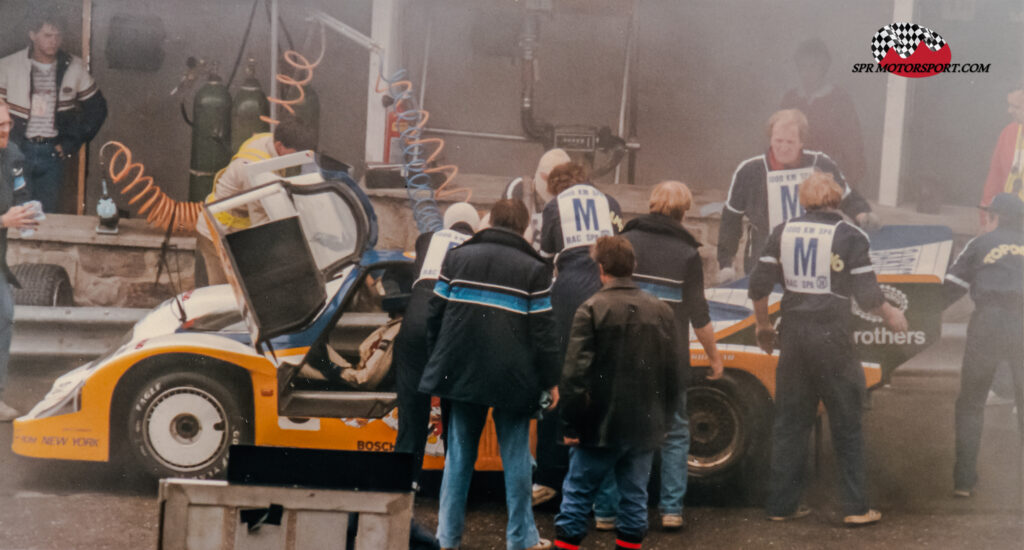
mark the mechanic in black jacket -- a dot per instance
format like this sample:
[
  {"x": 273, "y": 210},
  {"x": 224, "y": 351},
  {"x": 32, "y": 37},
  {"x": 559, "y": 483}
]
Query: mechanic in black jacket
[
  {"x": 572, "y": 221},
  {"x": 620, "y": 386},
  {"x": 669, "y": 266},
  {"x": 991, "y": 267},
  {"x": 822, "y": 262},
  {"x": 764, "y": 189},
  {"x": 460, "y": 222},
  {"x": 493, "y": 345}
]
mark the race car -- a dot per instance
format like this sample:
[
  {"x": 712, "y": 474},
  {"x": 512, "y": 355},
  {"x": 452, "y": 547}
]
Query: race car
[{"x": 229, "y": 364}]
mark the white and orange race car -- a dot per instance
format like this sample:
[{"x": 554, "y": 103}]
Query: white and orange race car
[{"x": 224, "y": 365}]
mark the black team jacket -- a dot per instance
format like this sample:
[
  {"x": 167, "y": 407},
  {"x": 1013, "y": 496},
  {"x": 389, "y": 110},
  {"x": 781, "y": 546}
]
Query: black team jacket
[{"x": 490, "y": 327}]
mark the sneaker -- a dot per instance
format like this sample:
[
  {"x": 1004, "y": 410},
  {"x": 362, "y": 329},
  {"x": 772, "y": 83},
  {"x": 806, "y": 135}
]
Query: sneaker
[
  {"x": 7, "y": 412},
  {"x": 604, "y": 524},
  {"x": 995, "y": 400},
  {"x": 871, "y": 516},
  {"x": 672, "y": 522},
  {"x": 542, "y": 544},
  {"x": 962, "y": 493},
  {"x": 542, "y": 494},
  {"x": 801, "y": 512}
]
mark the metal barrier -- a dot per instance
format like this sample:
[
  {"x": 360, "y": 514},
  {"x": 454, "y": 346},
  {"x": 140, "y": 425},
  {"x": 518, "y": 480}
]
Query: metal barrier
[
  {"x": 84, "y": 333},
  {"x": 81, "y": 333}
]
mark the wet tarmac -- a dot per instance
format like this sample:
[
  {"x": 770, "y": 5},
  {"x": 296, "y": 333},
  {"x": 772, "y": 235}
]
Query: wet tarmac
[{"x": 68, "y": 505}]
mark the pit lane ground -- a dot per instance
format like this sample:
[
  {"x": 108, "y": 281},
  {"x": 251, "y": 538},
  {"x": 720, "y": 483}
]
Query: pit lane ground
[{"x": 63, "y": 505}]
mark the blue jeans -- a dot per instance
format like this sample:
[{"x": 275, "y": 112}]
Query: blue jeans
[
  {"x": 465, "y": 424},
  {"x": 44, "y": 173},
  {"x": 6, "y": 326},
  {"x": 674, "y": 473},
  {"x": 588, "y": 467}
]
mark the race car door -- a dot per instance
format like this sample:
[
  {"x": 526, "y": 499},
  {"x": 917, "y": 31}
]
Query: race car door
[{"x": 302, "y": 231}]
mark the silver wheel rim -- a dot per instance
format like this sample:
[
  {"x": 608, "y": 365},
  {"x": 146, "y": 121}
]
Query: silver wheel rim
[{"x": 185, "y": 428}]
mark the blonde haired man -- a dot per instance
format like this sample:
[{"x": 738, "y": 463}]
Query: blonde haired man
[
  {"x": 669, "y": 267},
  {"x": 822, "y": 262},
  {"x": 764, "y": 190}
]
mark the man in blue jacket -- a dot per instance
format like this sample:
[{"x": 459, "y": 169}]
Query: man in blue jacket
[{"x": 491, "y": 335}]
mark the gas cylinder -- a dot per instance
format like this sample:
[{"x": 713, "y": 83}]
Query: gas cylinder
[
  {"x": 249, "y": 104},
  {"x": 211, "y": 136}
]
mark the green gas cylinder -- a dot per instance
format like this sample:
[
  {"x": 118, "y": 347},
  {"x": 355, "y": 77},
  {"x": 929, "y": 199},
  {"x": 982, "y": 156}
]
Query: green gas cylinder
[
  {"x": 249, "y": 104},
  {"x": 211, "y": 136}
]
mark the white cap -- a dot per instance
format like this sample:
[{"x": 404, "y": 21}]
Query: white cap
[
  {"x": 547, "y": 163},
  {"x": 461, "y": 212}
]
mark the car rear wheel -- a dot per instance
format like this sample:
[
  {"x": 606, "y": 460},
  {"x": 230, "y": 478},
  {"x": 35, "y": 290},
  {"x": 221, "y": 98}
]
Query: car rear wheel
[
  {"x": 182, "y": 424},
  {"x": 730, "y": 427}
]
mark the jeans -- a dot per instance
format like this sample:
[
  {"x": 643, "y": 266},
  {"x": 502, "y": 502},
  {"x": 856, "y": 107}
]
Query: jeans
[
  {"x": 588, "y": 467},
  {"x": 44, "y": 173},
  {"x": 674, "y": 473},
  {"x": 465, "y": 424},
  {"x": 817, "y": 362},
  {"x": 6, "y": 326},
  {"x": 993, "y": 337}
]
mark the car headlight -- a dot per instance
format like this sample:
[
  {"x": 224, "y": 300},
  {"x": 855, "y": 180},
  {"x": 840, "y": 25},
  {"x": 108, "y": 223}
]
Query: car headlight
[{"x": 65, "y": 397}]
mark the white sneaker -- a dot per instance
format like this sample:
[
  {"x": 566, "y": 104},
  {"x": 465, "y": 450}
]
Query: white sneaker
[
  {"x": 994, "y": 400},
  {"x": 7, "y": 412},
  {"x": 542, "y": 494}
]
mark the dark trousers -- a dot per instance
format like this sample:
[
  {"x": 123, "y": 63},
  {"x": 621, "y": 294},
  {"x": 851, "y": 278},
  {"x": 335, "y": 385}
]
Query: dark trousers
[
  {"x": 817, "y": 362},
  {"x": 993, "y": 337},
  {"x": 44, "y": 173},
  {"x": 413, "y": 412},
  {"x": 577, "y": 280}
]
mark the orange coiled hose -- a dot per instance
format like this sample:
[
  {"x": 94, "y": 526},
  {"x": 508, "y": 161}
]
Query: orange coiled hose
[
  {"x": 158, "y": 208},
  {"x": 300, "y": 63}
]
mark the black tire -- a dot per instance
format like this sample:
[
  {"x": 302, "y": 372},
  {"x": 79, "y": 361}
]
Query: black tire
[
  {"x": 182, "y": 425},
  {"x": 730, "y": 431},
  {"x": 42, "y": 285}
]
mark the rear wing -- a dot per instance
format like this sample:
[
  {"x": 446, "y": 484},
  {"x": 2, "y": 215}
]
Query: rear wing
[{"x": 910, "y": 262}]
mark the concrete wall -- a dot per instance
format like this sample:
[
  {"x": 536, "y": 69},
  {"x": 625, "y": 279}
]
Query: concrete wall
[{"x": 108, "y": 270}]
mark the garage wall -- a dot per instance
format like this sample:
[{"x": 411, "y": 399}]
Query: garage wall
[{"x": 709, "y": 74}]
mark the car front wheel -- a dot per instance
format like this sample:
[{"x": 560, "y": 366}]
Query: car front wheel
[{"x": 182, "y": 424}]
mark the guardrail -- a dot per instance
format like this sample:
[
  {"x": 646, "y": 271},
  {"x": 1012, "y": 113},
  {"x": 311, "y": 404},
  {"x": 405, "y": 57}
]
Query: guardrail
[{"x": 84, "y": 333}]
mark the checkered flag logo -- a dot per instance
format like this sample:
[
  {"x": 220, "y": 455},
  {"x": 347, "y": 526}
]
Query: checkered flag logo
[{"x": 905, "y": 37}]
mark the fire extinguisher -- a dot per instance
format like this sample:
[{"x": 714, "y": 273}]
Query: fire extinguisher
[
  {"x": 211, "y": 135},
  {"x": 248, "y": 105},
  {"x": 392, "y": 138}
]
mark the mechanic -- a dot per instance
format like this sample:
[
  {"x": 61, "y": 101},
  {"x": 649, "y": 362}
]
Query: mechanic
[
  {"x": 18, "y": 217},
  {"x": 289, "y": 136},
  {"x": 991, "y": 267},
  {"x": 492, "y": 345},
  {"x": 534, "y": 193},
  {"x": 669, "y": 266},
  {"x": 822, "y": 262},
  {"x": 56, "y": 104},
  {"x": 621, "y": 389},
  {"x": 460, "y": 222},
  {"x": 764, "y": 189},
  {"x": 572, "y": 221}
]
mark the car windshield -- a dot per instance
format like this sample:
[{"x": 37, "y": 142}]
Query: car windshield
[{"x": 329, "y": 226}]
